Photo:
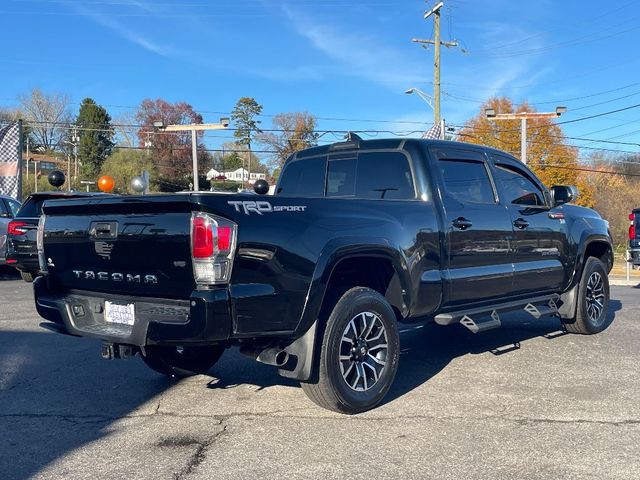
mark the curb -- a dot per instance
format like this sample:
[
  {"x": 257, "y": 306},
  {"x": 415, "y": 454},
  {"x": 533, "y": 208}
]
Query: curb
[{"x": 620, "y": 282}]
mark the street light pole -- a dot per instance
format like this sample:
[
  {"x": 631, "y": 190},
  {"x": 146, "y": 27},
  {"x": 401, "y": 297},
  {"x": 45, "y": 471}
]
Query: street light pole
[
  {"x": 429, "y": 100},
  {"x": 523, "y": 116},
  {"x": 194, "y": 128}
]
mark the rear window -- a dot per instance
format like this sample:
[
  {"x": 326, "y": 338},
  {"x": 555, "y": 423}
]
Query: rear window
[
  {"x": 341, "y": 178},
  {"x": 303, "y": 178},
  {"x": 31, "y": 208},
  {"x": 384, "y": 175}
]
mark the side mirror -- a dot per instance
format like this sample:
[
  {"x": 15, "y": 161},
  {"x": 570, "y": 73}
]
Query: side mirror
[
  {"x": 261, "y": 187},
  {"x": 561, "y": 194}
]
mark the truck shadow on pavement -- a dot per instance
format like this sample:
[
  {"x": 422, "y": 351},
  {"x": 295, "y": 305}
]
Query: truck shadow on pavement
[
  {"x": 57, "y": 395},
  {"x": 426, "y": 351}
]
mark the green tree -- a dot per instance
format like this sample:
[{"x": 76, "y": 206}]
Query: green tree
[
  {"x": 295, "y": 131},
  {"x": 548, "y": 154},
  {"x": 124, "y": 164},
  {"x": 96, "y": 136},
  {"x": 247, "y": 127},
  {"x": 244, "y": 117}
]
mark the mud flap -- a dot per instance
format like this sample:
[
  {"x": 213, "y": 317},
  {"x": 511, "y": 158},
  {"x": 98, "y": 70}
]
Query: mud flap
[{"x": 302, "y": 350}]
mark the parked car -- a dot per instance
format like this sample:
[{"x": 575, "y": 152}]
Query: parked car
[
  {"x": 8, "y": 208},
  {"x": 21, "y": 245},
  {"x": 634, "y": 238},
  {"x": 314, "y": 280}
]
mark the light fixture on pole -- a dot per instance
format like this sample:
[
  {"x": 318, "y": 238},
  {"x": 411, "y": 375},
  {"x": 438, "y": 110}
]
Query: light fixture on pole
[
  {"x": 523, "y": 117},
  {"x": 193, "y": 128},
  {"x": 429, "y": 100}
]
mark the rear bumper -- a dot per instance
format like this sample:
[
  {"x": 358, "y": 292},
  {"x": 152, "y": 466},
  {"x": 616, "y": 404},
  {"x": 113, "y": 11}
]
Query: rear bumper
[
  {"x": 24, "y": 262},
  {"x": 203, "y": 319}
]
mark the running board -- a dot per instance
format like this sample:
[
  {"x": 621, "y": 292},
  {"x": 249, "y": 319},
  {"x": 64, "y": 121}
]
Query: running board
[{"x": 476, "y": 319}]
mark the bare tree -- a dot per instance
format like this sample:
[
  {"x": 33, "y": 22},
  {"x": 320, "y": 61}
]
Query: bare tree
[
  {"x": 126, "y": 131},
  {"x": 48, "y": 115},
  {"x": 291, "y": 132}
]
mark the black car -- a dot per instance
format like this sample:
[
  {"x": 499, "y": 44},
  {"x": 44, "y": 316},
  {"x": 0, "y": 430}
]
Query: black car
[
  {"x": 21, "y": 232},
  {"x": 314, "y": 280}
]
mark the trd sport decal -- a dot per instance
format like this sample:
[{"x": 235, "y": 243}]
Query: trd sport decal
[{"x": 261, "y": 207}]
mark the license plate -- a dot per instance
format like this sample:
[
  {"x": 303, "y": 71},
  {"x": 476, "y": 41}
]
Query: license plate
[{"x": 119, "y": 313}]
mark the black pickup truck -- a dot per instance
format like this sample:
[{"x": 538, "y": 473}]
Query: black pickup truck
[{"x": 359, "y": 236}]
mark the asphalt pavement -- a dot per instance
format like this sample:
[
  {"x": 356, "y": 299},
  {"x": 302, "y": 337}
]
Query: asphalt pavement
[{"x": 522, "y": 402}]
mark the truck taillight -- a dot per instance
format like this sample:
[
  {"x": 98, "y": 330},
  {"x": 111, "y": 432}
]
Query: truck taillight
[
  {"x": 632, "y": 226},
  {"x": 213, "y": 241},
  {"x": 16, "y": 227},
  {"x": 40, "y": 244}
]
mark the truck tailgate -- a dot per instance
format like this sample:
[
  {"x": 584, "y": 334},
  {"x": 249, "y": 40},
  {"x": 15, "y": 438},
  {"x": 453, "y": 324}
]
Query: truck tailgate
[{"x": 125, "y": 246}]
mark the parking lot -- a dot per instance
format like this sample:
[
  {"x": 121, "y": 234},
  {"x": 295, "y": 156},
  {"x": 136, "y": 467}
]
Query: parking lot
[{"x": 525, "y": 401}]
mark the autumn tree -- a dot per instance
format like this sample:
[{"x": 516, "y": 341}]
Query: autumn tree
[
  {"x": 615, "y": 179},
  {"x": 292, "y": 132},
  {"x": 96, "y": 136},
  {"x": 48, "y": 116},
  {"x": 170, "y": 150},
  {"x": 548, "y": 154}
]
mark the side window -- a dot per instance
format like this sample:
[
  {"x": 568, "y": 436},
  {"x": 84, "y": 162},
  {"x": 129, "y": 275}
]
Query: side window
[
  {"x": 467, "y": 180},
  {"x": 13, "y": 207},
  {"x": 341, "y": 178},
  {"x": 3, "y": 209},
  {"x": 384, "y": 175},
  {"x": 517, "y": 188},
  {"x": 303, "y": 178}
]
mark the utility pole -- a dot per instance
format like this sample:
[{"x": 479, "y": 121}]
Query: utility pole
[
  {"x": 194, "y": 128},
  {"x": 27, "y": 158},
  {"x": 523, "y": 116},
  {"x": 75, "y": 140},
  {"x": 436, "y": 42}
]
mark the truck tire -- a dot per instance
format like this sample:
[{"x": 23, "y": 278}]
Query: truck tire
[
  {"x": 27, "y": 276},
  {"x": 359, "y": 354},
  {"x": 181, "y": 362},
  {"x": 593, "y": 300}
]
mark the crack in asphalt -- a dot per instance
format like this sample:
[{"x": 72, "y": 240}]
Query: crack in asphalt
[
  {"x": 199, "y": 455},
  {"x": 79, "y": 419}
]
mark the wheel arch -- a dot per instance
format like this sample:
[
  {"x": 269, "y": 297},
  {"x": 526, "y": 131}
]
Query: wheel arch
[{"x": 343, "y": 265}]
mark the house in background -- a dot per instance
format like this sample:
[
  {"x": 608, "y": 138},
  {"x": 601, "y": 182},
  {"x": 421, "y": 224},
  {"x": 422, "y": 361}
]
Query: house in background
[{"x": 238, "y": 175}]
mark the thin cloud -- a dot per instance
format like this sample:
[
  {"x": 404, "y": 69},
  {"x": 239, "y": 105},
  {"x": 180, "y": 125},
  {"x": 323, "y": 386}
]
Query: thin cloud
[
  {"x": 357, "y": 54},
  {"x": 123, "y": 31}
]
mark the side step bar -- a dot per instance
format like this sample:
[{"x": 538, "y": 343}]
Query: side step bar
[{"x": 476, "y": 319}]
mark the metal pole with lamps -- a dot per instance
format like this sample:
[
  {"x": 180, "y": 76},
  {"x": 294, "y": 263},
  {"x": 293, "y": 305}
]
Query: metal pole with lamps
[
  {"x": 523, "y": 117},
  {"x": 193, "y": 128},
  {"x": 429, "y": 100}
]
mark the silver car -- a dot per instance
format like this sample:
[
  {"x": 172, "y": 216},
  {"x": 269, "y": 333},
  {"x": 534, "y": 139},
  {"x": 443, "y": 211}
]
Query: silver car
[{"x": 8, "y": 208}]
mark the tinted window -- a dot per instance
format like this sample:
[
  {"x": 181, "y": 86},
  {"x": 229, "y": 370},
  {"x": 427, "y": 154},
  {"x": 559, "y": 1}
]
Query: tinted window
[
  {"x": 341, "y": 178},
  {"x": 384, "y": 175},
  {"x": 31, "y": 208},
  {"x": 3, "y": 209},
  {"x": 13, "y": 207},
  {"x": 467, "y": 181},
  {"x": 303, "y": 178},
  {"x": 517, "y": 188}
]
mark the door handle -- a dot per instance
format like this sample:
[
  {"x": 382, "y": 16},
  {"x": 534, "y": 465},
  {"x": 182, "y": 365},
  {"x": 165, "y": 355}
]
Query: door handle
[
  {"x": 520, "y": 223},
  {"x": 461, "y": 223}
]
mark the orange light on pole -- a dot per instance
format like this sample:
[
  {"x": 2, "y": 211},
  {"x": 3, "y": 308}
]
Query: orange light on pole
[{"x": 106, "y": 183}]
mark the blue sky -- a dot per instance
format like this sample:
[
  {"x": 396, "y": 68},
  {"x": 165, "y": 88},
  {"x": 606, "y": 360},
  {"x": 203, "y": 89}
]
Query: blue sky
[{"x": 337, "y": 59}]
